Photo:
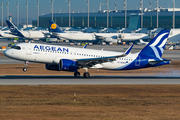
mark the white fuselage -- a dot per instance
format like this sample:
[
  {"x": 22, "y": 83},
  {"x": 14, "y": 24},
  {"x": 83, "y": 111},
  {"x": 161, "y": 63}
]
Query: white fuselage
[
  {"x": 43, "y": 53},
  {"x": 33, "y": 34},
  {"x": 125, "y": 36},
  {"x": 76, "y": 36},
  {"x": 92, "y": 36}
]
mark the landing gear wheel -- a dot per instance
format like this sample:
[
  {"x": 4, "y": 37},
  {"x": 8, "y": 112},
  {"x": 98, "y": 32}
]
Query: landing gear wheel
[
  {"x": 86, "y": 75},
  {"x": 76, "y": 74},
  {"x": 24, "y": 69}
]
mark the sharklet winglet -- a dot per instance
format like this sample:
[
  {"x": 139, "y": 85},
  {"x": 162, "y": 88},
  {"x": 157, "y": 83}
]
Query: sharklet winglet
[
  {"x": 128, "y": 50},
  {"x": 85, "y": 46}
]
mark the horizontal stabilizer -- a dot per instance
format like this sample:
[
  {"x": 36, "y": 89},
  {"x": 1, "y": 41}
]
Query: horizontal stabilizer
[{"x": 154, "y": 62}]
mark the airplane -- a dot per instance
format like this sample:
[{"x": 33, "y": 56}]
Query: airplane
[
  {"x": 96, "y": 37},
  {"x": 61, "y": 58},
  {"x": 32, "y": 35},
  {"x": 72, "y": 36}
]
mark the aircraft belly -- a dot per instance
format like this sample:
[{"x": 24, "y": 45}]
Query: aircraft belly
[
  {"x": 79, "y": 37},
  {"x": 114, "y": 65}
]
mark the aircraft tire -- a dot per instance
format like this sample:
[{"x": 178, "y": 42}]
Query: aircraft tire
[
  {"x": 24, "y": 69},
  {"x": 86, "y": 75},
  {"x": 76, "y": 74}
]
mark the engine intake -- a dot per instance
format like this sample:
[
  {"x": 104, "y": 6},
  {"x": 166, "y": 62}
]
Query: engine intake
[{"x": 68, "y": 65}]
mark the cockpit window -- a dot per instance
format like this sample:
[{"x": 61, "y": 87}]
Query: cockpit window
[{"x": 16, "y": 47}]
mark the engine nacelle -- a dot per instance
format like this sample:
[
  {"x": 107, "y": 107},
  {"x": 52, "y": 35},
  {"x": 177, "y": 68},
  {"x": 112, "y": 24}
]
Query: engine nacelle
[
  {"x": 108, "y": 39},
  {"x": 68, "y": 65},
  {"x": 55, "y": 67},
  {"x": 120, "y": 36}
]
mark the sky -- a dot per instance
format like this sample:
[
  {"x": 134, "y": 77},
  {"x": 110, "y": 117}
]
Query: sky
[{"x": 78, "y": 6}]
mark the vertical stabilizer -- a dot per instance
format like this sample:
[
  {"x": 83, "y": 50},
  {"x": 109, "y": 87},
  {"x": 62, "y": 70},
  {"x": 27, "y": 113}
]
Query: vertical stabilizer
[
  {"x": 14, "y": 30},
  {"x": 54, "y": 27},
  {"x": 156, "y": 46}
]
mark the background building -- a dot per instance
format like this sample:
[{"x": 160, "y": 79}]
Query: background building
[{"x": 116, "y": 19}]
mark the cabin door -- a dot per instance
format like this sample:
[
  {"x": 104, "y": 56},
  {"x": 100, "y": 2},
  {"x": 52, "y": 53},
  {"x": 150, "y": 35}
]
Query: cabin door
[
  {"x": 138, "y": 61},
  {"x": 28, "y": 50}
]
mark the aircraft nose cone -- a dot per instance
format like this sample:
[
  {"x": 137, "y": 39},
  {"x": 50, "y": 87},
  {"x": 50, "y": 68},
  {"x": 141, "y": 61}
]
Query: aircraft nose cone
[{"x": 7, "y": 53}]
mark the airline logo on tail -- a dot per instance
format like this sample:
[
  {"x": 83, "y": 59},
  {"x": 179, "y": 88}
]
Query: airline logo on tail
[
  {"x": 12, "y": 29},
  {"x": 156, "y": 46},
  {"x": 159, "y": 44},
  {"x": 53, "y": 26}
]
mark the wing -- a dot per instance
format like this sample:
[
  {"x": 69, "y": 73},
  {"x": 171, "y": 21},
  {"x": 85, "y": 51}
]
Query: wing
[
  {"x": 98, "y": 37},
  {"x": 46, "y": 33},
  {"x": 89, "y": 62}
]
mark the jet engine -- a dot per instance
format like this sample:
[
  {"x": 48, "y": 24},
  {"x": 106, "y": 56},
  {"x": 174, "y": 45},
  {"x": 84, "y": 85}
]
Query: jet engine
[
  {"x": 108, "y": 39},
  {"x": 120, "y": 36},
  {"x": 68, "y": 65},
  {"x": 64, "y": 65}
]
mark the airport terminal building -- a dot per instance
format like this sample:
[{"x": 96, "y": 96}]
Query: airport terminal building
[{"x": 116, "y": 19}]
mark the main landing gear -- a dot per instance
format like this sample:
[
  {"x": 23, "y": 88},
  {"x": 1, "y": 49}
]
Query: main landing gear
[
  {"x": 77, "y": 74},
  {"x": 25, "y": 68},
  {"x": 86, "y": 74}
]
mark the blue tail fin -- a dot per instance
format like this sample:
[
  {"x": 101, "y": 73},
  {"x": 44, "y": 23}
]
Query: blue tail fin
[
  {"x": 54, "y": 27},
  {"x": 14, "y": 30},
  {"x": 156, "y": 46}
]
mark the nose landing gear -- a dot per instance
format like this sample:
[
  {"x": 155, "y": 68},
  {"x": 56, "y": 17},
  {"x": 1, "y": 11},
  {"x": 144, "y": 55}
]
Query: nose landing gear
[{"x": 25, "y": 68}]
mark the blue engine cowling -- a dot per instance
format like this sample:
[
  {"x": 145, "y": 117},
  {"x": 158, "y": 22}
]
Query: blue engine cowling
[{"x": 68, "y": 65}]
